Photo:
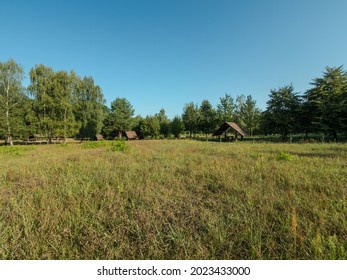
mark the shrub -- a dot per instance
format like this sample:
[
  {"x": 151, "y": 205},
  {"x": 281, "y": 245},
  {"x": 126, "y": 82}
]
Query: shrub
[
  {"x": 15, "y": 150},
  {"x": 284, "y": 156},
  {"x": 119, "y": 146}
]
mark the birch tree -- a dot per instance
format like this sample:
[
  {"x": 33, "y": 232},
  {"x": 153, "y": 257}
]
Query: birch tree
[{"x": 11, "y": 96}]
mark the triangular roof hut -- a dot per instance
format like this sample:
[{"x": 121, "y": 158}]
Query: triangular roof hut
[
  {"x": 130, "y": 135},
  {"x": 36, "y": 137},
  {"x": 99, "y": 137},
  {"x": 225, "y": 126}
]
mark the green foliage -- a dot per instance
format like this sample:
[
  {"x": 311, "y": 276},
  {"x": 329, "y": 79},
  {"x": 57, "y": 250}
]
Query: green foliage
[
  {"x": 93, "y": 144},
  {"x": 12, "y": 97},
  {"x": 165, "y": 128},
  {"x": 119, "y": 146},
  {"x": 248, "y": 115},
  {"x": 191, "y": 117},
  {"x": 282, "y": 111},
  {"x": 208, "y": 120},
  {"x": 226, "y": 109},
  {"x": 176, "y": 126},
  {"x": 15, "y": 150},
  {"x": 88, "y": 107},
  {"x": 326, "y": 101},
  {"x": 119, "y": 119},
  {"x": 149, "y": 127},
  {"x": 284, "y": 156},
  {"x": 164, "y": 123},
  {"x": 53, "y": 101}
]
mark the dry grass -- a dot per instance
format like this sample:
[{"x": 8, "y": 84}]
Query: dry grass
[{"x": 174, "y": 200}]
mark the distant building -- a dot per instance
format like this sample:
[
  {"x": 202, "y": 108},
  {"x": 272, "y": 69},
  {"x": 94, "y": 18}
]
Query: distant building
[
  {"x": 130, "y": 135},
  {"x": 98, "y": 137},
  {"x": 225, "y": 126},
  {"x": 36, "y": 138}
]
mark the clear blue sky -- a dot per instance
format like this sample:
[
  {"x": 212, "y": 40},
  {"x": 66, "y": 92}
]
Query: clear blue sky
[{"x": 165, "y": 53}]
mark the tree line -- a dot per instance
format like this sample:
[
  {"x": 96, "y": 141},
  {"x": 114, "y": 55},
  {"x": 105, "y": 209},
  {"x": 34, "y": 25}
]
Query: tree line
[{"x": 60, "y": 103}]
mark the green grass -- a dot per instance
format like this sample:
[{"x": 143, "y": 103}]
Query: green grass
[{"x": 174, "y": 200}]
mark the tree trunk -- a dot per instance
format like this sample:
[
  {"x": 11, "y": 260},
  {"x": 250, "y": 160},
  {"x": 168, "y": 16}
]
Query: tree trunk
[
  {"x": 9, "y": 135},
  {"x": 65, "y": 134}
]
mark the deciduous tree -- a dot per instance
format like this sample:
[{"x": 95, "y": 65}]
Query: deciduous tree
[
  {"x": 248, "y": 113},
  {"x": 88, "y": 107},
  {"x": 149, "y": 127},
  {"x": 176, "y": 126},
  {"x": 53, "y": 102},
  {"x": 164, "y": 122},
  {"x": 208, "y": 120},
  {"x": 11, "y": 98},
  {"x": 226, "y": 109},
  {"x": 190, "y": 118}
]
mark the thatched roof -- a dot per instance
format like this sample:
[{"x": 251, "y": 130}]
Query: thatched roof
[
  {"x": 130, "y": 135},
  {"x": 36, "y": 136},
  {"x": 226, "y": 126},
  {"x": 99, "y": 137}
]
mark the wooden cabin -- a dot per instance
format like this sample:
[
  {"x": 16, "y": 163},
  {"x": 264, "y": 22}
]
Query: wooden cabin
[
  {"x": 238, "y": 131},
  {"x": 99, "y": 137},
  {"x": 130, "y": 135},
  {"x": 37, "y": 138}
]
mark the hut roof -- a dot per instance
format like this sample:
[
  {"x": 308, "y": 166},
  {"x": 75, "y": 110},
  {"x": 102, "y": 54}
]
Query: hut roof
[
  {"x": 130, "y": 135},
  {"x": 227, "y": 125},
  {"x": 37, "y": 136},
  {"x": 99, "y": 137}
]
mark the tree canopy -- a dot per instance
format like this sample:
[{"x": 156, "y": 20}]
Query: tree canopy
[
  {"x": 60, "y": 103},
  {"x": 11, "y": 98},
  {"x": 120, "y": 117},
  {"x": 282, "y": 110},
  {"x": 327, "y": 101}
]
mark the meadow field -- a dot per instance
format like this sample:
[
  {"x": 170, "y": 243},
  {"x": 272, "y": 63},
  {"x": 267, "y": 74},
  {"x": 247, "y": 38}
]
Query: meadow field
[{"x": 173, "y": 199}]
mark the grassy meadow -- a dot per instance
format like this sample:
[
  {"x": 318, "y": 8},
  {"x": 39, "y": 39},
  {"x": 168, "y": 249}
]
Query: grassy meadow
[{"x": 173, "y": 199}]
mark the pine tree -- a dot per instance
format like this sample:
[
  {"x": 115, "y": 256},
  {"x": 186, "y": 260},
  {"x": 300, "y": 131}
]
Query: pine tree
[
  {"x": 327, "y": 100},
  {"x": 282, "y": 110},
  {"x": 120, "y": 118}
]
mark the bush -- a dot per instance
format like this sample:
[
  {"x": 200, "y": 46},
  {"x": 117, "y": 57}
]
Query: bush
[
  {"x": 119, "y": 146},
  {"x": 15, "y": 150},
  {"x": 284, "y": 156}
]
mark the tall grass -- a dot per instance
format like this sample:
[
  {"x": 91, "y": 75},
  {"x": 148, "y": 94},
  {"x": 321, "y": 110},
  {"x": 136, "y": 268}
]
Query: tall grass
[{"x": 174, "y": 200}]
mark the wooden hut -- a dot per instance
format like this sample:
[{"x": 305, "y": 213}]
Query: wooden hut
[
  {"x": 130, "y": 135},
  {"x": 98, "y": 137},
  {"x": 37, "y": 138},
  {"x": 225, "y": 126}
]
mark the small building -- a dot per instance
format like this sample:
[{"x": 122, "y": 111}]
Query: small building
[
  {"x": 98, "y": 137},
  {"x": 57, "y": 139},
  {"x": 37, "y": 138},
  {"x": 130, "y": 135},
  {"x": 225, "y": 126}
]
